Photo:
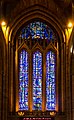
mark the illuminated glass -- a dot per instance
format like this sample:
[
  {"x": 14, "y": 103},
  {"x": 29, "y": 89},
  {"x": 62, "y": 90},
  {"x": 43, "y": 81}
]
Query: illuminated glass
[
  {"x": 37, "y": 81},
  {"x": 50, "y": 81},
  {"x": 37, "y": 30},
  {"x": 23, "y": 80}
]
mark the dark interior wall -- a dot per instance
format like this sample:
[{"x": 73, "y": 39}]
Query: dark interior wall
[
  {"x": 72, "y": 79},
  {"x": 3, "y": 78},
  {"x": 0, "y": 82}
]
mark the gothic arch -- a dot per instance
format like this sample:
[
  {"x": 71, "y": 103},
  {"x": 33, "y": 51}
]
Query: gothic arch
[
  {"x": 36, "y": 12},
  {"x": 28, "y": 15}
]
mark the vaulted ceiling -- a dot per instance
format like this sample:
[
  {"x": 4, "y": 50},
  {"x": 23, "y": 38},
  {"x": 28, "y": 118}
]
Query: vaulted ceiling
[
  {"x": 63, "y": 3},
  {"x": 7, "y": 6}
]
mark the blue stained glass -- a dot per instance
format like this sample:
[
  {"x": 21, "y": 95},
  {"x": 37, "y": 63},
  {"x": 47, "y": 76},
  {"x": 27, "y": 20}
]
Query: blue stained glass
[
  {"x": 37, "y": 30},
  {"x": 50, "y": 81},
  {"x": 37, "y": 81},
  {"x": 23, "y": 80}
]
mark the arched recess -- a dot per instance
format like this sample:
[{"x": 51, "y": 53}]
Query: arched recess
[
  {"x": 3, "y": 78},
  {"x": 19, "y": 22}
]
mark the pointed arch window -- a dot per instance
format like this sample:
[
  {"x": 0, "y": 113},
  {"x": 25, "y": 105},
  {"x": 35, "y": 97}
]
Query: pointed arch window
[
  {"x": 50, "y": 81},
  {"x": 37, "y": 81},
  {"x": 23, "y": 80},
  {"x": 36, "y": 37}
]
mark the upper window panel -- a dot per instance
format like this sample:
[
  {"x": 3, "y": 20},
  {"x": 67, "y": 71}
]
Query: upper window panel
[{"x": 37, "y": 31}]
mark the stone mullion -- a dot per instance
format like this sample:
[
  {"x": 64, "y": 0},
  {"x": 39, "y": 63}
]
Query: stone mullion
[
  {"x": 30, "y": 81},
  {"x": 57, "y": 72},
  {"x": 43, "y": 83}
]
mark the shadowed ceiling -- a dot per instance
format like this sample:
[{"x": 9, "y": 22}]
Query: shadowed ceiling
[{"x": 7, "y": 6}]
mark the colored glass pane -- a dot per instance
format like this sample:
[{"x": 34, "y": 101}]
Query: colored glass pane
[
  {"x": 37, "y": 81},
  {"x": 37, "y": 30},
  {"x": 23, "y": 80},
  {"x": 50, "y": 81}
]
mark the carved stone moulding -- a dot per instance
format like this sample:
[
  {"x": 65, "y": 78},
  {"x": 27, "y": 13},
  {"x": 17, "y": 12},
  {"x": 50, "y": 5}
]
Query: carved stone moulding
[{"x": 36, "y": 114}]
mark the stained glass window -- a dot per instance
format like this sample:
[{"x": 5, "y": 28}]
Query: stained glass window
[
  {"x": 23, "y": 80},
  {"x": 50, "y": 81},
  {"x": 37, "y": 29},
  {"x": 37, "y": 34},
  {"x": 37, "y": 81}
]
